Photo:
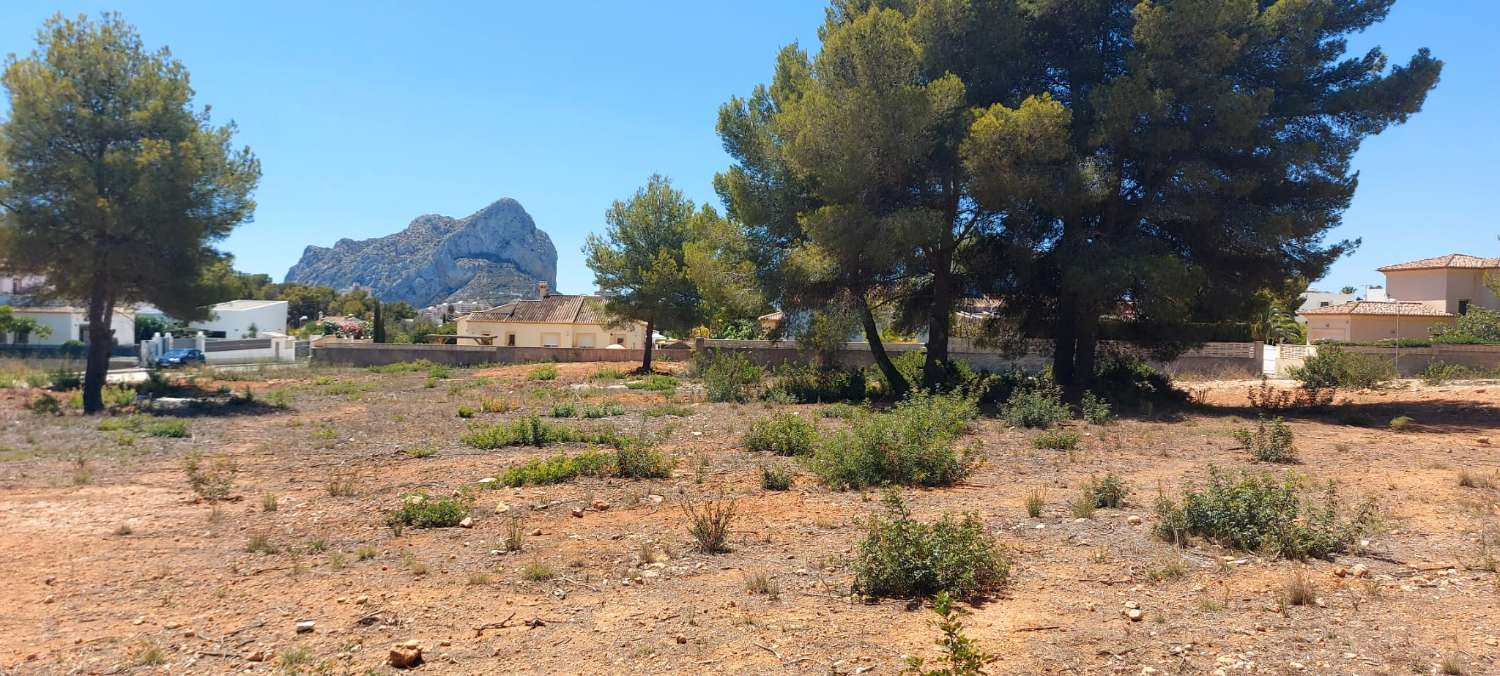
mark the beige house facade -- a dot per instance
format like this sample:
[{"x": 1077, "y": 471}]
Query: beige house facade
[
  {"x": 550, "y": 320},
  {"x": 1420, "y": 296}
]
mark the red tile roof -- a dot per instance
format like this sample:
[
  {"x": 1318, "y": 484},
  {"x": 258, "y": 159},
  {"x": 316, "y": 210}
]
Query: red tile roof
[
  {"x": 1385, "y": 308},
  {"x": 1455, "y": 260},
  {"x": 554, "y": 309}
]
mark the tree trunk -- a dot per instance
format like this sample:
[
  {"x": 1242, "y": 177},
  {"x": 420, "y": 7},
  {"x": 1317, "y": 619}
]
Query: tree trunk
[
  {"x": 899, "y": 386},
  {"x": 1086, "y": 351},
  {"x": 939, "y": 318},
  {"x": 101, "y": 311},
  {"x": 1064, "y": 340},
  {"x": 646, "y": 354}
]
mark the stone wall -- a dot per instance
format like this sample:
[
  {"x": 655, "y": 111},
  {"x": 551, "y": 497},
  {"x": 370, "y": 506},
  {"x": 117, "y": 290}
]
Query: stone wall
[
  {"x": 376, "y": 354},
  {"x": 1412, "y": 361}
]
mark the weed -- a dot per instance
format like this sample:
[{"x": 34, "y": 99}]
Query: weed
[
  {"x": 638, "y": 460},
  {"x": 775, "y": 478},
  {"x": 421, "y": 451},
  {"x": 494, "y": 405},
  {"x": 1083, "y": 506},
  {"x": 1268, "y": 442},
  {"x": 44, "y": 404},
  {"x": 533, "y": 431},
  {"x": 565, "y": 410},
  {"x": 1333, "y": 367},
  {"x": 146, "y": 653},
  {"x": 1057, "y": 440},
  {"x": 261, "y": 544},
  {"x": 479, "y": 578},
  {"x": 279, "y": 398},
  {"x": 1470, "y": 480},
  {"x": 1401, "y": 423},
  {"x": 341, "y": 484},
  {"x": 317, "y": 546},
  {"x": 1036, "y": 498},
  {"x": 537, "y": 571},
  {"x": 365, "y": 552},
  {"x": 212, "y": 479},
  {"x": 543, "y": 372},
  {"x": 961, "y": 657},
  {"x": 1297, "y": 590},
  {"x": 514, "y": 534},
  {"x": 603, "y": 409},
  {"x": 466, "y": 411},
  {"x": 608, "y": 373},
  {"x": 709, "y": 523},
  {"x": 1266, "y": 397},
  {"x": 762, "y": 584},
  {"x": 268, "y": 502},
  {"x": 1167, "y": 568},
  {"x": 422, "y": 511},
  {"x": 782, "y": 434},
  {"x": 123, "y": 529},
  {"x": 655, "y": 382},
  {"x": 338, "y": 561},
  {"x": 558, "y": 468},
  {"x": 902, "y": 557},
  {"x": 840, "y": 410}
]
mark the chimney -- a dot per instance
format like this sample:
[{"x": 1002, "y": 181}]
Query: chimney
[{"x": 541, "y": 289}]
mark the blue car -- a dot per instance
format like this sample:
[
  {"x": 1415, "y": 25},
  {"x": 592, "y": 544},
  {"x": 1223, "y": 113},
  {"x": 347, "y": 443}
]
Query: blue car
[{"x": 180, "y": 357}]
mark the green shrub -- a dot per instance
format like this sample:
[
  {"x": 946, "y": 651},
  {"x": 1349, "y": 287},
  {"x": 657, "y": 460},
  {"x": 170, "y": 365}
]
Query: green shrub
[
  {"x": 1109, "y": 492},
  {"x": 543, "y": 372},
  {"x": 729, "y": 375},
  {"x": 637, "y": 460},
  {"x": 1057, "y": 440},
  {"x": 913, "y": 444},
  {"x": 174, "y": 428},
  {"x": 44, "y": 404},
  {"x": 1039, "y": 407},
  {"x": 1333, "y": 367},
  {"x": 775, "y": 478},
  {"x": 840, "y": 411},
  {"x": 420, "y": 510},
  {"x": 782, "y": 434},
  {"x": 709, "y": 523},
  {"x": 279, "y": 398},
  {"x": 957, "y": 376},
  {"x": 1261, "y": 512},
  {"x": 533, "y": 431},
  {"x": 808, "y": 383},
  {"x": 1400, "y": 423},
  {"x": 466, "y": 411},
  {"x": 655, "y": 382},
  {"x": 1095, "y": 410},
  {"x": 1268, "y": 442},
  {"x": 565, "y": 410},
  {"x": 608, "y": 373},
  {"x": 1439, "y": 372},
  {"x": 603, "y": 409},
  {"x": 901, "y": 557},
  {"x": 1130, "y": 380},
  {"x": 559, "y": 468}
]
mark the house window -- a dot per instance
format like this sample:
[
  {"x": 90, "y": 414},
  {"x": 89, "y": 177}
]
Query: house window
[
  {"x": 619, "y": 340},
  {"x": 584, "y": 340},
  {"x": 510, "y": 340},
  {"x": 1463, "y": 307},
  {"x": 1323, "y": 303},
  {"x": 551, "y": 339}
]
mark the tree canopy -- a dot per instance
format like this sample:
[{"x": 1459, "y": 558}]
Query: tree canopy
[{"x": 112, "y": 184}]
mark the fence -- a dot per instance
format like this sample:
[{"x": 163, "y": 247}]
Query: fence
[
  {"x": 247, "y": 350},
  {"x": 376, "y": 354}
]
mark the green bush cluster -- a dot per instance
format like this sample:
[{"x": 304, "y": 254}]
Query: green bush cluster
[
  {"x": 433, "y": 370},
  {"x": 543, "y": 372},
  {"x": 728, "y": 375},
  {"x": 782, "y": 434},
  {"x": 631, "y": 461},
  {"x": 1333, "y": 367},
  {"x": 1109, "y": 491},
  {"x": 1270, "y": 441},
  {"x": 533, "y": 431},
  {"x": 655, "y": 382},
  {"x": 902, "y": 557},
  {"x": 808, "y": 383},
  {"x": 420, "y": 510},
  {"x": 1057, "y": 440},
  {"x": 913, "y": 444},
  {"x": 1039, "y": 407},
  {"x": 1095, "y": 410},
  {"x": 1261, "y": 512},
  {"x": 775, "y": 478}
]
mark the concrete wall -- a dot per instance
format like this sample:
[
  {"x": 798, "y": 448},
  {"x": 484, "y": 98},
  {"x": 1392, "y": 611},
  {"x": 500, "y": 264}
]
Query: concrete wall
[
  {"x": 236, "y": 322},
  {"x": 1419, "y": 285},
  {"x": 564, "y": 335},
  {"x": 375, "y": 354},
  {"x": 1411, "y": 361}
]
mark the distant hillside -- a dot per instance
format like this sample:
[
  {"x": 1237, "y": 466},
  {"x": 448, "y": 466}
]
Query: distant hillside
[{"x": 495, "y": 255}]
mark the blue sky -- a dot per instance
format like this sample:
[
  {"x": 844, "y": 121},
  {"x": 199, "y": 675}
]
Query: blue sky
[{"x": 366, "y": 115}]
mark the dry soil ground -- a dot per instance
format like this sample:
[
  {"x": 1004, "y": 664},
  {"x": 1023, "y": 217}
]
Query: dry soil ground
[{"x": 113, "y": 565}]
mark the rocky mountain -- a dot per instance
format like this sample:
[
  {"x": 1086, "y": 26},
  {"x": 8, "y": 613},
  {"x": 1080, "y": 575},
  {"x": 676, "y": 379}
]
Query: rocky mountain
[{"x": 495, "y": 256}]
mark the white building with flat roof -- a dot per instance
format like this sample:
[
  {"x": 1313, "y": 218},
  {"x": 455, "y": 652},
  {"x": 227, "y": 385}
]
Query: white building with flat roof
[{"x": 244, "y": 319}]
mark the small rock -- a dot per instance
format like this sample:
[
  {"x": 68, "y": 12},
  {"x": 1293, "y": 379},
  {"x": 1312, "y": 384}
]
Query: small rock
[
  {"x": 487, "y": 482},
  {"x": 1359, "y": 570},
  {"x": 578, "y": 512},
  {"x": 48, "y": 599},
  {"x": 405, "y": 655},
  {"x": 600, "y": 505},
  {"x": 655, "y": 499},
  {"x": 306, "y": 626},
  {"x": 1133, "y": 520},
  {"x": 468, "y": 522},
  {"x": 1132, "y": 604},
  {"x": 361, "y": 600},
  {"x": 681, "y": 639},
  {"x": 537, "y": 531},
  {"x": 1134, "y": 614},
  {"x": 257, "y": 656},
  {"x": 501, "y": 508}
]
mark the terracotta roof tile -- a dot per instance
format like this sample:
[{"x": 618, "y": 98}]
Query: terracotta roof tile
[
  {"x": 1455, "y": 260},
  {"x": 1386, "y": 308}
]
